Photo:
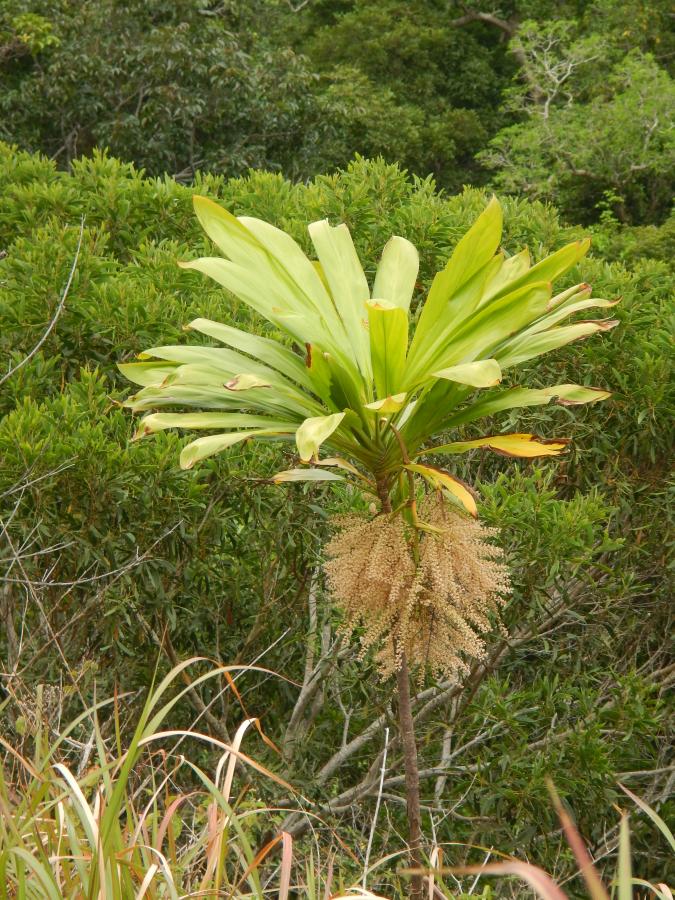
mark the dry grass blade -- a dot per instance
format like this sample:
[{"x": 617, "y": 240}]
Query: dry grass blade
[
  {"x": 286, "y": 864},
  {"x": 588, "y": 871},
  {"x": 653, "y": 815},
  {"x": 541, "y": 883}
]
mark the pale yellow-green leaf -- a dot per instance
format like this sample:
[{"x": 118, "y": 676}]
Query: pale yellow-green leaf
[
  {"x": 263, "y": 288},
  {"x": 482, "y": 373},
  {"x": 511, "y": 269},
  {"x": 455, "y": 311},
  {"x": 515, "y": 398},
  {"x": 305, "y": 475},
  {"x": 388, "y": 345},
  {"x": 389, "y": 404},
  {"x": 339, "y": 463},
  {"x": 313, "y": 432},
  {"x": 267, "y": 351},
  {"x": 226, "y": 231},
  {"x": 624, "y": 874},
  {"x": 577, "y": 290},
  {"x": 484, "y": 331},
  {"x": 397, "y": 272},
  {"x": 245, "y": 382},
  {"x": 549, "y": 268},
  {"x": 288, "y": 258},
  {"x": 205, "y": 420},
  {"x": 147, "y": 374},
  {"x": 565, "y": 310},
  {"x": 475, "y": 249},
  {"x": 348, "y": 286},
  {"x": 214, "y": 443},
  {"x": 519, "y": 350}
]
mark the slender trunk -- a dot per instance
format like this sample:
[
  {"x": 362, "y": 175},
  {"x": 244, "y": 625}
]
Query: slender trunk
[
  {"x": 407, "y": 728},
  {"x": 412, "y": 779}
]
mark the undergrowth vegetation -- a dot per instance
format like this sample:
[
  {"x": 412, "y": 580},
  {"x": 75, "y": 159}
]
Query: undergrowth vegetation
[{"x": 115, "y": 562}]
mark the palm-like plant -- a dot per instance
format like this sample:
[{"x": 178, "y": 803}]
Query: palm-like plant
[{"x": 362, "y": 386}]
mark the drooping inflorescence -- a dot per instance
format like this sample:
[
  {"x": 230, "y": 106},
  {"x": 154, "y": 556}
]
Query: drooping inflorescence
[{"x": 434, "y": 608}]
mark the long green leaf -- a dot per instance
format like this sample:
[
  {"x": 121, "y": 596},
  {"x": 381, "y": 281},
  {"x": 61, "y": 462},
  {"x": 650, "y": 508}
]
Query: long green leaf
[
  {"x": 268, "y": 351},
  {"x": 520, "y": 349},
  {"x": 147, "y": 374},
  {"x": 288, "y": 258},
  {"x": 208, "y": 446},
  {"x": 492, "y": 324},
  {"x": 480, "y": 374},
  {"x": 505, "y": 276},
  {"x": 519, "y": 398},
  {"x": 388, "y": 345},
  {"x": 306, "y": 475},
  {"x": 549, "y": 268},
  {"x": 397, "y": 272},
  {"x": 472, "y": 252},
  {"x": 262, "y": 291},
  {"x": 206, "y": 420},
  {"x": 454, "y": 310},
  {"x": 349, "y": 288}
]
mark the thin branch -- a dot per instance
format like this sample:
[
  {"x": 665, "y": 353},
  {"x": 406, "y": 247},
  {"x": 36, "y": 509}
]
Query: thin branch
[{"x": 57, "y": 313}]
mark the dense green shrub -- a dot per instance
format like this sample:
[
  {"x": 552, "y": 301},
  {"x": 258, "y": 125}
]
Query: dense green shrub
[{"x": 108, "y": 548}]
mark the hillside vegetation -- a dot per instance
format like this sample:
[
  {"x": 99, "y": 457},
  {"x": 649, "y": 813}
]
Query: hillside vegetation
[
  {"x": 198, "y": 696},
  {"x": 115, "y": 562}
]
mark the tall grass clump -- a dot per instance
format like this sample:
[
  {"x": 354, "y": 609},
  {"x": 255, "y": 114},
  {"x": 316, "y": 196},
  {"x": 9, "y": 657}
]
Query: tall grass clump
[{"x": 141, "y": 819}]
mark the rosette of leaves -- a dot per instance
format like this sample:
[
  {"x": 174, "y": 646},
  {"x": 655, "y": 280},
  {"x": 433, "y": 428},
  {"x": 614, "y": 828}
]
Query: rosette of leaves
[{"x": 360, "y": 391}]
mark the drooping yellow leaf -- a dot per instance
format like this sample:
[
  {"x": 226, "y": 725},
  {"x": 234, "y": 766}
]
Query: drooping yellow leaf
[
  {"x": 527, "y": 446},
  {"x": 442, "y": 480}
]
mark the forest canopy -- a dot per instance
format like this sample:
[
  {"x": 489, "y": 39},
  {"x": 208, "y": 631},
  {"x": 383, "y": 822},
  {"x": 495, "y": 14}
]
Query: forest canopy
[{"x": 567, "y": 102}]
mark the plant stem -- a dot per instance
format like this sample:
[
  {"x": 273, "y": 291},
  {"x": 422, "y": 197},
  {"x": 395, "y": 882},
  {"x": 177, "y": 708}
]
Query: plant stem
[
  {"x": 407, "y": 729},
  {"x": 412, "y": 780}
]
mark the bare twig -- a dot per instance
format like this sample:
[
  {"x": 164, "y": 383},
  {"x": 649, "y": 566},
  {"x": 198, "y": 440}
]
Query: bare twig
[{"x": 57, "y": 313}]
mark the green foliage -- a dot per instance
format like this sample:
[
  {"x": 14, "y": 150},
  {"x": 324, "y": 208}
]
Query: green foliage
[
  {"x": 120, "y": 81},
  {"x": 559, "y": 100},
  {"x": 585, "y": 689},
  {"x": 618, "y": 145}
]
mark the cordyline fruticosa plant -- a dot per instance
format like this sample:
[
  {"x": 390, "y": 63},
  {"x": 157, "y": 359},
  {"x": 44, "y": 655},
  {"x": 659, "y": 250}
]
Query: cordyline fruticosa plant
[{"x": 357, "y": 380}]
